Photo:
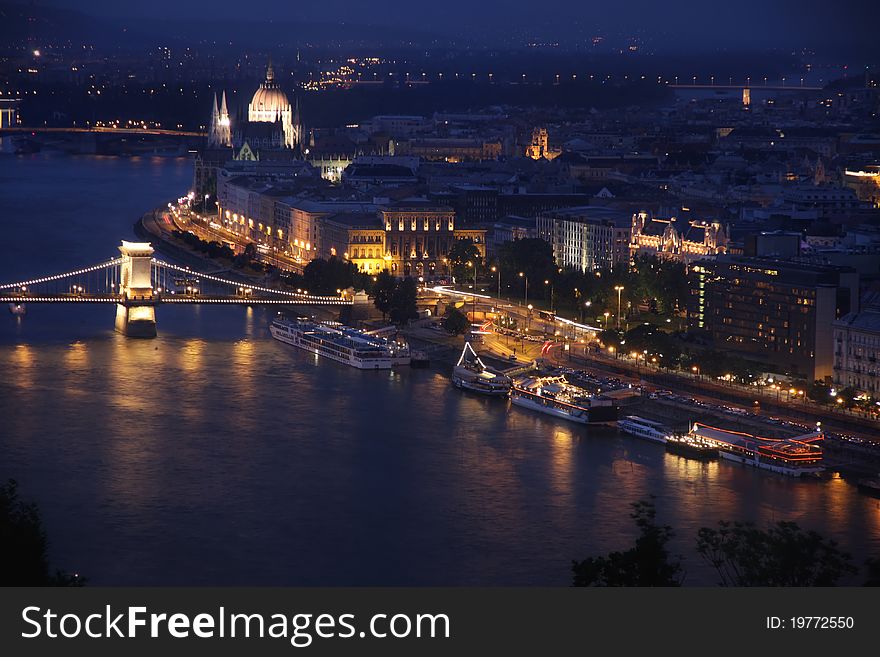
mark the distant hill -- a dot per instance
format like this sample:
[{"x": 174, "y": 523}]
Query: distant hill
[{"x": 24, "y": 24}]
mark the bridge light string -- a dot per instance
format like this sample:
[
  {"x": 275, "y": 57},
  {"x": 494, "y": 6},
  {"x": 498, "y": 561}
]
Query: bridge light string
[
  {"x": 252, "y": 287},
  {"x": 57, "y": 277},
  {"x": 115, "y": 262}
]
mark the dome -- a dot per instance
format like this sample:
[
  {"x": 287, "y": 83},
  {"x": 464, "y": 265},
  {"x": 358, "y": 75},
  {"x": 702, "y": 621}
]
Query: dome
[{"x": 268, "y": 101}]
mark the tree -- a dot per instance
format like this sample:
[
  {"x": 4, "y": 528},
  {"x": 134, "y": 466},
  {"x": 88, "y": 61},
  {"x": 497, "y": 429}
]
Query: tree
[
  {"x": 648, "y": 563},
  {"x": 403, "y": 301},
  {"x": 782, "y": 555},
  {"x": 24, "y": 545},
  {"x": 463, "y": 251},
  {"x": 611, "y": 338},
  {"x": 383, "y": 290},
  {"x": 820, "y": 392},
  {"x": 325, "y": 276},
  {"x": 455, "y": 321},
  {"x": 533, "y": 257}
]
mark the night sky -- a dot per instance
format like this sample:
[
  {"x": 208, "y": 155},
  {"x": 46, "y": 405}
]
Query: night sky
[{"x": 670, "y": 24}]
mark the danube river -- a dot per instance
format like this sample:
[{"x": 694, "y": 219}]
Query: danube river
[{"x": 215, "y": 455}]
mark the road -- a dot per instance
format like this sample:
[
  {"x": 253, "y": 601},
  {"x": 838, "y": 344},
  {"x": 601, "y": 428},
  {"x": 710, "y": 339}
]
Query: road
[
  {"x": 203, "y": 230},
  {"x": 581, "y": 356}
]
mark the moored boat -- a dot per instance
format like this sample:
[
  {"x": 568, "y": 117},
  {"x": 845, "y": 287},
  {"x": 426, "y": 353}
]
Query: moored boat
[
  {"x": 554, "y": 396},
  {"x": 642, "y": 428},
  {"x": 470, "y": 373},
  {"x": 798, "y": 456},
  {"x": 691, "y": 447},
  {"x": 339, "y": 343}
]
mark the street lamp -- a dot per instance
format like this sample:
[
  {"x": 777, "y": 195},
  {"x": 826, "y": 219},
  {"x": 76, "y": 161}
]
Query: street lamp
[
  {"x": 587, "y": 304},
  {"x": 547, "y": 282},
  {"x": 606, "y": 315},
  {"x": 618, "y": 289},
  {"x": 498, "y": 269},
  {"x": 526, "y": 299}
]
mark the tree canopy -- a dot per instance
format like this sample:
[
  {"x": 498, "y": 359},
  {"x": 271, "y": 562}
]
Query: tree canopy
[
  {"x": 455, "y": 321},
  {"x": 395, "y": 297},
  {"x": 782, "y": 555},
  {"x": 464, "y": 258},
  {"x": 647, "y": 563},
  {"x": 741, "y": 553},
  {"x": 24, "y": 545}
]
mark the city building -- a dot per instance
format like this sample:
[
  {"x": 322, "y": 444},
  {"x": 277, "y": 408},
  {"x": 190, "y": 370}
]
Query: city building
[
  {"x": 381, "y": 171},
  {"x": 419, "y": 235},
  {"x": 680, "y": 237},
  {"x": 865, "y": 183},
  {"x": 780, "y": 244},
  {"x": 512, "y": 228},
  {"x": 776, "y": 312},
  {"x": 586, "y": 238},
  {"x": 857, "y": 348},
  {"x": 539, "y": 148},
  {"x": 449, "y": 149},
  {"x": 829, "y": 201},
  {"x": 271, "y": 123},
  {"x": 9, "y": 112}
]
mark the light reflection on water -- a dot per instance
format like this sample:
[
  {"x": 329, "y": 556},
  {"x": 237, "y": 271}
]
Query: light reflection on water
[{"x": 215, "y": 455}]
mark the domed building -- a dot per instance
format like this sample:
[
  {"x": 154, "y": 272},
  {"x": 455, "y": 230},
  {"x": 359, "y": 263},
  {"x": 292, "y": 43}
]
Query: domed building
[
  {"x": 270, "y": 105},
  {"x": 271, "y": 124}
]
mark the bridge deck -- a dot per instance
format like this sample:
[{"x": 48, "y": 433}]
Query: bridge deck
[{"x": 241, "y": 301}]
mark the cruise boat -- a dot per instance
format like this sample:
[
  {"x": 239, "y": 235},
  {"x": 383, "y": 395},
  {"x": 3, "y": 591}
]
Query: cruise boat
[
  {"x": 470, "y": 373},
  {"x": 642, "y": 428},
  {"x": 555, "y": 396},
  {"x": 794, "y": 457},
  {"x": 339, "y": 343},
  {"x": 692, "y": 447}
]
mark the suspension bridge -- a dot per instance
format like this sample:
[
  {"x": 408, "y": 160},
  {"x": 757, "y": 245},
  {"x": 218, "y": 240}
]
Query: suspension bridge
[{"x": 137, "y": 283}]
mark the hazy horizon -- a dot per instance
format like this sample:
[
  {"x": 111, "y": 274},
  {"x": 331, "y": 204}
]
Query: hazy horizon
[{"x": 845, "y": 27}]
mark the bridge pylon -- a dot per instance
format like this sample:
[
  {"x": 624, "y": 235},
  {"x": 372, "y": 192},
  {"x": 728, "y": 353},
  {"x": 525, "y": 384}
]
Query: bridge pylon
[{"x": 136, "y": 310}]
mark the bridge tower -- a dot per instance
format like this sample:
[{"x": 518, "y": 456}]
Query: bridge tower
[
  {"x": 747, "y": 97},
  {"x": 136, "y": 310}
]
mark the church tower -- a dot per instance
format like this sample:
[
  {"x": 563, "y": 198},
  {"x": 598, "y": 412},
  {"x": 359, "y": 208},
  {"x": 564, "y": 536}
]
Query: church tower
[
  {"x": 214, "y": 125},
  {"x": 219, "y": 131},
  {"x": 225, "y": 130}
]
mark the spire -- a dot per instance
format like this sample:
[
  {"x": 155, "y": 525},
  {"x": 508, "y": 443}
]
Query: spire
[
  {"x": 270, "y": 72},
  {"x": 213, "y": 126},
  {"x": 223, "y": 111}
]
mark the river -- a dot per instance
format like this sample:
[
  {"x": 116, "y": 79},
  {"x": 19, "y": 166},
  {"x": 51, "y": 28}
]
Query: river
[{"x": 216, "y": 455}]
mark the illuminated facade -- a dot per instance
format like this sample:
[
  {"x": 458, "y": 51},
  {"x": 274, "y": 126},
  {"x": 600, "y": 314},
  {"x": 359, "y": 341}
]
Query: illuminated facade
[
  {"x": 219, "y": 131},
  {"x": 777, "y": 312},
  {"x": 366, "y": 249},
  {"x": 865, "y": 183},
  {"x": 8, "y": 113},
  {"x": 136, "y": 313},
  {"x": 272, "y": 123},
  {"x": 540, "y": 146},
  {"x": 857, "y": 349},
  {"x": 586, "y": 238},
  {"x": 419, "y": 235},
  {"x": 678, "y": 238}
]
